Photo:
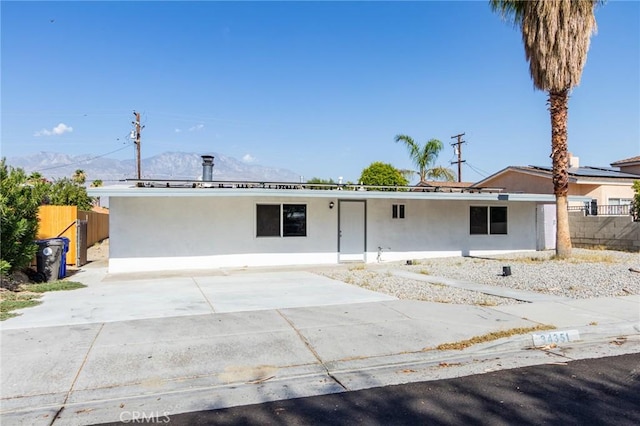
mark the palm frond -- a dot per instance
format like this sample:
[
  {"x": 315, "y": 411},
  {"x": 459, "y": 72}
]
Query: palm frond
[
  {"x": 556, "y": 36},
  {"x": 441, "y": 173}
]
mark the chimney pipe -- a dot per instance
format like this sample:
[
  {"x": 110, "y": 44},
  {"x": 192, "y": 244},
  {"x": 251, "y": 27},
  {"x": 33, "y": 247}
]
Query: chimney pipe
[
  {"x": 207, "y": 168},
  {"x": 574, "y": 162}
]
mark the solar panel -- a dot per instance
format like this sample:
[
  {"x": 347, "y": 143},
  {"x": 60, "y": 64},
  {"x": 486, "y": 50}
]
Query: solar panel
[{"x": 603, "y": 172}]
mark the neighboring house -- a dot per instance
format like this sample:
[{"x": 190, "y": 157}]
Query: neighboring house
[
  {"x": 629, "y": 165},
  {"x": 604, "y": 186},
  {"x": 169, "y": 226}
]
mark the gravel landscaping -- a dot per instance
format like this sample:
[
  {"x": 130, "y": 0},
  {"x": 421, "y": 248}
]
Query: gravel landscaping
[{"x": 588, "y": 274}]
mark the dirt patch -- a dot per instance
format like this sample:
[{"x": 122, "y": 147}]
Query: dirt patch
[
  {"x": 13, "y": 281},
  {"x": 98, "y": 251}
]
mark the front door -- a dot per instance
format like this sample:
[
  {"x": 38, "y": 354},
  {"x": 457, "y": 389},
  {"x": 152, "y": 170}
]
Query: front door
[
  {"x": 351, "y": 231},
  {"x": 546, "y": 227}
]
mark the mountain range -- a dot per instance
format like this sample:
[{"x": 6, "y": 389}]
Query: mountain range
[{"x": 168, "y": 165}]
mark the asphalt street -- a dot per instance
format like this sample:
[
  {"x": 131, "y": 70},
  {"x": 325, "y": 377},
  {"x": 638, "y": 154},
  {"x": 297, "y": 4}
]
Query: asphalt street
[{"x": 604, "y": 391}]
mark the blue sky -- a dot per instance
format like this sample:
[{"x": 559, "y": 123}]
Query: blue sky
[{"x": 320, "y": 88}]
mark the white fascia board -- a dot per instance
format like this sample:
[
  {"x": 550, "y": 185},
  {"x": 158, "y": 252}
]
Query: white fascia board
[
  {"x": 629, "y": 182},
  {"x": 333, "y": 194}
]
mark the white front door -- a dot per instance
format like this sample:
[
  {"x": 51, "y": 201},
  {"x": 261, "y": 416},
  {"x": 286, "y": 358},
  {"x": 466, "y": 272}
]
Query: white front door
[
  {"x": 546, "y": 227},
  {"x": 351, "y": 231}
]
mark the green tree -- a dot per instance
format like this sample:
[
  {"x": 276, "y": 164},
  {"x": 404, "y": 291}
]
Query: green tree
[
  {"x": 79, "y": 177},
  {"x": 320, "y": 182},
  {"x": 96, "y": 183},
  {"x": 556, "y": 37},
  {"x": 67, "y": 192},
  {"x": 383, "y": 174},
  {"x": 19, "y": 202},
  {"x": 424, "y": 158}
]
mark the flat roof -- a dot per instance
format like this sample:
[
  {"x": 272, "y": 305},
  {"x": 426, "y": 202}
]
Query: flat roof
[{"x": 302, "y": 190}]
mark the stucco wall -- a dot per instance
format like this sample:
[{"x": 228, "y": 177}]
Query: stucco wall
[
  {"x": 635, "y": 169},
  {"x": 613, "y": 232},
  {"x": 164, "y": 233},
  {"x": 441, "y": 228},
  {"x": 603, "y": 193}
]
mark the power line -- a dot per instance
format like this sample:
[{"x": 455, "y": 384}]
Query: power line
[
  {"x": 478, "y": 170},
  {"x": 85, "y": 160}
]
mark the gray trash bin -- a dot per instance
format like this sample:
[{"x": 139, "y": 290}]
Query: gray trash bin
[{"x": 48, "y": 258}]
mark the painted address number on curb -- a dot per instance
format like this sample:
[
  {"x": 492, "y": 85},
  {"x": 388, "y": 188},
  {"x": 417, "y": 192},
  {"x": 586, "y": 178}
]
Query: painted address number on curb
[{"x": 556, "y": 337}]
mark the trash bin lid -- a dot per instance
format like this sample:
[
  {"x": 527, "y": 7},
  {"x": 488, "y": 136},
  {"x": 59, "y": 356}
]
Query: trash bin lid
[{"x": 50, "y": 242}]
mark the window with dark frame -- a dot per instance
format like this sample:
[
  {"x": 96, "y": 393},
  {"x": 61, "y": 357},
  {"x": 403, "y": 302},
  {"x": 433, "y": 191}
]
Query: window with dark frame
[
  {"x": 294, "y": 220},
  {"x": 270, "y": 217},
  {"x": 268, "y": 220},
  {"x": 488, "y": 220},
  {"x": 498, "y": 220},
  {"x": 397, "y": 211},
  {"x": 478, "y": 220}
]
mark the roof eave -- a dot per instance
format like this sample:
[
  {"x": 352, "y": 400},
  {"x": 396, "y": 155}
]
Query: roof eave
[{"x": 126, "y": 192}]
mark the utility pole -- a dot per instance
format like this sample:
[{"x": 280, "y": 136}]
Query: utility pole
[
  {"x": 458, "y": 150},
  {"x": 137, "y": 131}
]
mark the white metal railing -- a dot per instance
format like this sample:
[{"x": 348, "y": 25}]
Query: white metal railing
[
  {"x": 180, "y": 183},
  {"x": 603, "y": 209}
]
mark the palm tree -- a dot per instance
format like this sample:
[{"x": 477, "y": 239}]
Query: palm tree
[
  {"x": 407, "y": 173},
  {"x": 424, "y": 157},
  {"x": 441, "y": 173},
  {"x": 556, "y": 37},
  {"x": 36, "y": 176},
  {"x": 79, "y": 177}
]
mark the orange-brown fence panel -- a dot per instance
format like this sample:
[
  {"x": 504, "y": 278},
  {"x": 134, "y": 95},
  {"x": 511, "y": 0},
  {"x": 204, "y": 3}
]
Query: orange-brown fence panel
[
  {"x": 97, "y": 226},
  {"x": 61, "y": 221}
]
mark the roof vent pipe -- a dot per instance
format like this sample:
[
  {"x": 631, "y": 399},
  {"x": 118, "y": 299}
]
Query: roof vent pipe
[
  {"x": 207, "y": 168},
  {"x": 574, "y": 162}
]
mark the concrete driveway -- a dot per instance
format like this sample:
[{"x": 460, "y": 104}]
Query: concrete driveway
[{"x": 109, "y": 298}]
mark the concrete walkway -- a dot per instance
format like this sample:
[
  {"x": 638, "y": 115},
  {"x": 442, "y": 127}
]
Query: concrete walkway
[{"x": 171, "y": 344}]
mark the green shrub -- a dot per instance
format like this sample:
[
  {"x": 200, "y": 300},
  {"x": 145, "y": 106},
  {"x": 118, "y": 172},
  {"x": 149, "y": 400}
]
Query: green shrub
[
  {"x": 20, "y": 197},
  {"x": 19, "y": 202}
]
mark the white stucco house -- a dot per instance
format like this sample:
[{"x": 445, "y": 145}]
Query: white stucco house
[{"x": 170, "y": 225}]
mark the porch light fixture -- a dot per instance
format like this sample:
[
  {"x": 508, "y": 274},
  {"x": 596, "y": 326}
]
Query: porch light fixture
[{"x": 331, "y": 204}]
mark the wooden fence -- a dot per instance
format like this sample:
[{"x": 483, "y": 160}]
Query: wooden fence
[{"x": 62, "y": 221}]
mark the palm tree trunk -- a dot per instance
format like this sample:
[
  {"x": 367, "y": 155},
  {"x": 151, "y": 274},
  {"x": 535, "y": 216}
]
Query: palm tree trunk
[{"x": 558, "y": 102}]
